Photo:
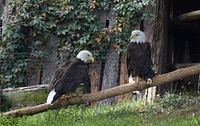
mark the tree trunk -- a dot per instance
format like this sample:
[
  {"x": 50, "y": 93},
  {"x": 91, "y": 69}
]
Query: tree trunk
[
  {"x": 119, "y": 90},
  {"x": 50, "y": 61},
  {"x": 159, "y": 43},
  {"x": 110, "y": 75}
]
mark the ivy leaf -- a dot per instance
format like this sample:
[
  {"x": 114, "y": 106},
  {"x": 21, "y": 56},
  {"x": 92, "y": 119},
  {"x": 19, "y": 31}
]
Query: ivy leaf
[
  {"x": 119, "y": 29},
  {"x": 52, "y": 24},
  {"x": 64, "y": 31},
  {"x": 16, "y": 35},
  {"x": 38, "y": 42}
]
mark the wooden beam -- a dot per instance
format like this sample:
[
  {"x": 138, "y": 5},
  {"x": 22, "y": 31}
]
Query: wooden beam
[
  {"x": 180, "y": 65},
  {"x": 193, "y": 15}
]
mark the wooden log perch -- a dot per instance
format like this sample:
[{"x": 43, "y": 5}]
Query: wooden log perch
[
  {"x": 190, "y": 16},
  {"x": 119, "y": 90}
]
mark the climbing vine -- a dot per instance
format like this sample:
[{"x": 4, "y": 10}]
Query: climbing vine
[{"x": 31, "y": 23}]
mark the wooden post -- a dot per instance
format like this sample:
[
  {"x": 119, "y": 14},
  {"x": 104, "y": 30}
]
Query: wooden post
[
  {"x": 95, "y": 73},
  {"x": 123, "y": 76}
]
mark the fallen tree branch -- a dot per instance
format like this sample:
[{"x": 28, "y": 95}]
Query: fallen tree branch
[
  {"x": 29, "y": 88},
  {"x": 119, "y": 90}
]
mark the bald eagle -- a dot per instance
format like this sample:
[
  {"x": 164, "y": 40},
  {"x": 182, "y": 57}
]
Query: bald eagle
[
  {"x": 70, "y": 75},
  {"x": 139, "y": 62}
]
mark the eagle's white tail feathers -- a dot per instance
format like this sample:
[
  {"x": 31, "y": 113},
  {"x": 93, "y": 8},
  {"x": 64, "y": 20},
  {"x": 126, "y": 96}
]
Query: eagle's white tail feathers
[
  {"x": 131, "y": 79},
  {"x": 52, "y": 93}
]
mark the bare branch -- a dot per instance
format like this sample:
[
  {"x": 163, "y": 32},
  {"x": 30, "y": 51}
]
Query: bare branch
[{"x": 119, "y": 90}]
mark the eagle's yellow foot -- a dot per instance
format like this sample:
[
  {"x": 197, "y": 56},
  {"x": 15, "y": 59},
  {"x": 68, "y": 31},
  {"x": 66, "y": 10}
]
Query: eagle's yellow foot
[
  {"x": 138, "y": 79},
  {"x": 62, "y": 98},
  {"x": 149, "y": 81},
  {"x": 66, "y": 97}
]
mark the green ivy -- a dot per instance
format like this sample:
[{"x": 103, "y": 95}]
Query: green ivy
[{"x": 31, "y": 23}]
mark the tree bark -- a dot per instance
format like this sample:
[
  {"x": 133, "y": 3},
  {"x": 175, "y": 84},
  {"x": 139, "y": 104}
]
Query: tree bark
[
  {"x": 119, "y": 90},
  {"x": 50, "y": 61},
  {"x": 159, "y": 43},
  {"x": 110, "y": 75}
]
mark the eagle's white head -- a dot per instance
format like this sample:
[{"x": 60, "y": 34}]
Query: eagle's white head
[
  {"x": 138, "y": 36},
  {"x": 85, "y": 56}
]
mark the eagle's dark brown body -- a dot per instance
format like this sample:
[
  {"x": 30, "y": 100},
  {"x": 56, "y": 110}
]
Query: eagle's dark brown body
[
  {"x": 139, "y": 62},
  {"x": 68, "y": 78}
]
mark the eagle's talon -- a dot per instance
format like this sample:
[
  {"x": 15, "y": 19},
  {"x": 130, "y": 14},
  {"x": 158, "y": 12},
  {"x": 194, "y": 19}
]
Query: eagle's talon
[
  {"x": 149, "y": 81},
  {"x": 73, "y": 95}
]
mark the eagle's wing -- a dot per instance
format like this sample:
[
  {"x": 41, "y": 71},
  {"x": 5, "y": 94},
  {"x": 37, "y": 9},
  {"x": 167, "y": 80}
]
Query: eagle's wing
[
  {"x": 130, "y": 53},
  {"x": 139, "y": 60},
  {"x": 148, "y": 52},
  {"x": 70, "y": 77},
  {"x": 58, "y": 74}
]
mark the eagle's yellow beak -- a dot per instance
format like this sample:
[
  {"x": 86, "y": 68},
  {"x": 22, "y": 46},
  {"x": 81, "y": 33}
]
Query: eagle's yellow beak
[
  {"x": 132, "y": 36},
  {"x": 90, "y": 60}
]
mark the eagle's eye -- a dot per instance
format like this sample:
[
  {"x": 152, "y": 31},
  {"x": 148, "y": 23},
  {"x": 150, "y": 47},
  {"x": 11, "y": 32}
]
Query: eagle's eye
[{"x": 136, "y": 34}]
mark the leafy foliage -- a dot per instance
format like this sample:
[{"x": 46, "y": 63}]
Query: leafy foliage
[{"x": 31, "y": 24}]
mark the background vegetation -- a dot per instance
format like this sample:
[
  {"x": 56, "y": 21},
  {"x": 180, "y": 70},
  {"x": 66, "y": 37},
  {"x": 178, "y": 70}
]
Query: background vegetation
[{"x": 30, "y": 25}]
